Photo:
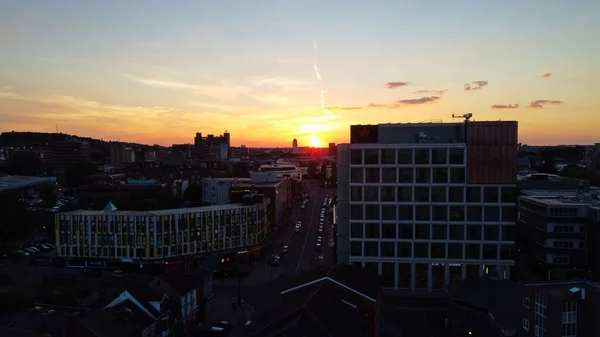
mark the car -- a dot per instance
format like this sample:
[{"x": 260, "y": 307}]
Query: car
[
  {"x": 118, "y": 273},
  {"x": 321, "y": 227},
  {"x": 320, "y": 230},
  {"x": 285, "y": 249},
  {"x": 302, "y": 207},
  {"x": 296, "y": 229},
  {"x": 299, "y": 223},
  {"x": 319, "y": 239},
  {"x": 276, "y": 260},
  {"x": 318, "y": 247}
]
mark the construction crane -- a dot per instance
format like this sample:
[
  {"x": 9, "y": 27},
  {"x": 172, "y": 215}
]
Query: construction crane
[{"x": 467, "y": 117}]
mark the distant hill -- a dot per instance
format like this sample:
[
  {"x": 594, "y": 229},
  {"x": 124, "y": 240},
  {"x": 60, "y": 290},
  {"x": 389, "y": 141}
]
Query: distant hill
[{"x": 39, "y": 139}]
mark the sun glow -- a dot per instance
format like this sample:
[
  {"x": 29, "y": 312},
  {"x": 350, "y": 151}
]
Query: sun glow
[{"x": 314, "y": 141}]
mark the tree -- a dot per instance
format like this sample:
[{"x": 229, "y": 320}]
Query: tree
[
  {"x": 77, "y": 173},
  {"x": 16, "y": 222},
  {"x": 47, "y": 192},
  {"x": 147, "y": 205}
]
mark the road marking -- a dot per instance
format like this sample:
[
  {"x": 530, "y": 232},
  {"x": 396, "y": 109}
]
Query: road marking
[{"x": 312, "y": 209}]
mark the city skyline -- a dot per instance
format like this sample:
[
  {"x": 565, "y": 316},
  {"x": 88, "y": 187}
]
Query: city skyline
[{"x": 268, "y": 72}]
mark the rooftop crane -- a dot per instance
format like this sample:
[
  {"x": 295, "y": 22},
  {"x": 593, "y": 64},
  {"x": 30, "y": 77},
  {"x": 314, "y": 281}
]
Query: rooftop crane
[{"x": 467, "y": 117}]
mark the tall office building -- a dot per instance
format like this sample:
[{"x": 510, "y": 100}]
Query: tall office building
[{"x": 426, "y": 204}]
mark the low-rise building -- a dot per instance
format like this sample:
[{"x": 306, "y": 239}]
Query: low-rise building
[
  {"x": 217, "y": 191},
  {"x": 25, "y": 184},
  {"x": 560, "y": 231},
  {"x": 495, "y": 308},
  {"x": 113, "y": 237}
]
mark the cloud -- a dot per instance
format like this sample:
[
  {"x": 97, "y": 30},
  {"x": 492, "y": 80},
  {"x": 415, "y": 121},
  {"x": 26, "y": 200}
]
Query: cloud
[
  {"x": 476, "y": 85},
  {"x": 431, "y": 92},
  {"x": 505, "y": 106},
  {"x": 394, "y": 85},
  {"x": 422, "y": 100},
  {"x": 219, "y": 92},
  {"x": 394, "y": 105},
  {"x": 545, "y": 75},
  {"x": 283, "y": 83},
  {"x": 539, "y": 104}
]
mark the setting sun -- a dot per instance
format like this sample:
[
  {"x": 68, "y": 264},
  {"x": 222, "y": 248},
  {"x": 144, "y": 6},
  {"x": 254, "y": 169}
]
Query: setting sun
[{"x": 314, "y": 141}]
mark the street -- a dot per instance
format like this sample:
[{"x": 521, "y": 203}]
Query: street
[{"x": 260, "y": 290}]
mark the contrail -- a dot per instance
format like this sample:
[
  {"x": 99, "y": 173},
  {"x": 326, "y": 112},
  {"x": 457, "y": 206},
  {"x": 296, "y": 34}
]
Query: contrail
[{"x": 318, "y": 74}]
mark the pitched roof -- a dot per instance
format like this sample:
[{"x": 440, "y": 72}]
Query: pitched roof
[
  {"x": 498, "y": 297},
  {"x": 110, "y": 207},
  {"x": 322, "y": 311},
  {"x": 354, "y": 278}
]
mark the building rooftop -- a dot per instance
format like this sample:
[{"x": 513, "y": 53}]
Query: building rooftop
[
  {"x": 564, "y": 291},
  {"x": 15, "y": 182},
  {"x": 173, "y": 211},
  {"x": 589, "y": 197}
]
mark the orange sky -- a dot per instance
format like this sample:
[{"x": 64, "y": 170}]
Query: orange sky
[{"x": 295, "y": 72}]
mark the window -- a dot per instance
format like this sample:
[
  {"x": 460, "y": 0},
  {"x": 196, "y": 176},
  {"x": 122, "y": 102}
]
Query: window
[
  {"x": 405, "y": 157},
  {"x": 387, "y": 249},
  {"x": 474, "y": 194},
  {"x": 457, "y": 175},
  {"x": 423, "y": 175},
  {"x": 540, "y": 315},
  {"x": 439, "y": 156},
  {"x": 356, "y": 193},
  {"x": 421, "y": 194},
  {"x": 438, "y": 194},
  {"x": 356, "y": 230},
  {"x": 560, "y": 260},
  {"x": 355, "y": 248},
  {"x": 490, "y": 194},
  {"x": 456, "y": 194},
  {"x": 405, "y": 175},
  {"x": 562, "y": 244},
  {"x": 457, "y": 156},
  {"x": 388, "y": 230},
  {"x": 371, "y": 248},
  {"x": 356, "y": 212},
  {"x": 372, "y": 230},
  {"x": 372, "y": 175},
  {"x": 356, "y": 157},
  {"x": 371, "y": 193},
  {"x": 422, "y": 156},
  {"x": 569, "y": 319},
  {"x": 388, "y": 193},
  {"x": 388, "y": 175},
  {"x": 388, "y": 212},
  {"x": 405, "y": 194},
  {"x": 388, "y": 156},
  {"x": 440, "y": 175},
  {"x": 372, "y": 212},
  {"x": 525, "y": 324},
  {"x": 371, "y": 157},
  {"x": 356, "y": 175}
]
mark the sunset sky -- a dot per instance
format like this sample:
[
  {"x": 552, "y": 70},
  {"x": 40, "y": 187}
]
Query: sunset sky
[{"x": 269, "y": 71}]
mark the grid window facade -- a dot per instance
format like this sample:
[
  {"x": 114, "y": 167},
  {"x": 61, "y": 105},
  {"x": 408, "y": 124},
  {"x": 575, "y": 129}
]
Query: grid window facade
[
  {"x": 415, "y": 210},
  {"x": 569, "y": 319},
  {"x": 541, "y": 312},
  {"x": 147, "y": 236}
]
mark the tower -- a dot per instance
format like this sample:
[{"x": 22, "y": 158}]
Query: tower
[{"x": 295, "y": 145}]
